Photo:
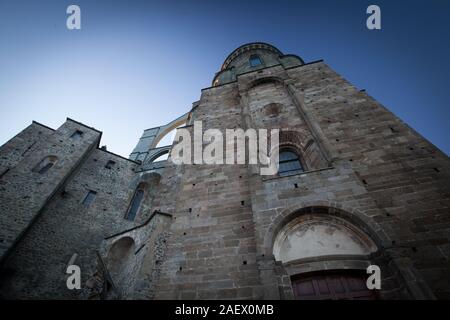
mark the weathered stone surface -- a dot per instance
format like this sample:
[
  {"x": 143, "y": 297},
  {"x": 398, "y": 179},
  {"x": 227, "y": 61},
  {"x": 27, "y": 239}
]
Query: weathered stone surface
[{"x": 207, "y": 231}]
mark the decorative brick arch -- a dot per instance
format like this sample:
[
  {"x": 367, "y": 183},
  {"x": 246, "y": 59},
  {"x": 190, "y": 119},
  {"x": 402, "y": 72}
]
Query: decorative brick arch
[
  {"x": 353, "y": 216},
  {"x": 303, "y": 145},
  {"x": 295, "y": 137}
]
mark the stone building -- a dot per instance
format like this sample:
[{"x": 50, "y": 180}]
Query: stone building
[{"x": 356, "y": 187}]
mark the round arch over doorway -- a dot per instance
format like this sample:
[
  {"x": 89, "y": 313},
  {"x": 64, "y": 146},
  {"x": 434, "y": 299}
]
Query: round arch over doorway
[
  {"x": 355, "y": 217},
  {"x": 319, "y": 235},
  {"x": 324, "y": 251}
]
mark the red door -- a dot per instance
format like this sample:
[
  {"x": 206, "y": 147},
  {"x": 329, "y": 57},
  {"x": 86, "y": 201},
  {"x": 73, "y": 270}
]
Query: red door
[{"x": 332, "y": 285}]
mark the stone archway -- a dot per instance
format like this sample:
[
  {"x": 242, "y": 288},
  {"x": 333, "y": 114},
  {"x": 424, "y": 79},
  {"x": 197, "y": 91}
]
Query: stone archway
[
  {"x": 120, "y": 261},
  {"x": 313, "y": 239},
  {"x": 319, "y": 235},
  {"x": 325, "y": 257},
  {"x": 331, "y": 208}
]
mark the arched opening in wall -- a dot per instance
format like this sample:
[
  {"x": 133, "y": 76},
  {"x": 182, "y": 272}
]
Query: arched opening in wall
[
  {"x": 336, "y": 251},
  {"x": 289, "y": 162},
  {"x": 45, "y": 164},
  {"x": 119, "y": 258},
  {"x": 150, "y": 179},
  {"x": 164, "y": 155},
  {"x": 168, "y": 138},
  {"x": 146, "y": 188},
  {"x": 119, "y": 252},
  {"x": 304, "y": 147}
]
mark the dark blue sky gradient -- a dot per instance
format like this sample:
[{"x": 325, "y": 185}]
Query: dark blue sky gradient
[{"x": 138, "y": 64}]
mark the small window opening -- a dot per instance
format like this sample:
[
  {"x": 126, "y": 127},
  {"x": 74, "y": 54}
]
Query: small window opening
[
  {"x": 289, "y": 163},
  {"x": 45, "y": 165},
  {"x": 110, "y": 164},
  {"x": 135, "y": 204},
  {"x": 89, "y": 198},
  {"x": 77, "y": 135},
  {"x": 255, "y": 60}
]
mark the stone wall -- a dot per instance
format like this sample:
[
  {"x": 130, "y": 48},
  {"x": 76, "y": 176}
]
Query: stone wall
[
  {"x": 211, "y": 252},
  {"x": 65, "y": 226},
  {"x": 381, "y": 170},
  {"x": 26, "y": 192},
  {"x": 366, "y": 162}
]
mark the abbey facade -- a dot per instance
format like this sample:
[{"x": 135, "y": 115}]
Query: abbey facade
[{"x": 355, "y": 187}]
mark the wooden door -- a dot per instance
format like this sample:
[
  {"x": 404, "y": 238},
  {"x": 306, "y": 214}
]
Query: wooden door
[{"x": 332, "y": 285}]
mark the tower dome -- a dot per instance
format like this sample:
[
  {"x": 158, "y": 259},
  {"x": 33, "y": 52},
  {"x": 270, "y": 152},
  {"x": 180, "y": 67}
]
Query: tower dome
[
  {"x": 250, "y": 48},
  {"x": 252, "y": 56}
]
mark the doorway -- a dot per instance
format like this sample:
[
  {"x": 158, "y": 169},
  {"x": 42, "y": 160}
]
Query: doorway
[{"x": 332, "y": 285}]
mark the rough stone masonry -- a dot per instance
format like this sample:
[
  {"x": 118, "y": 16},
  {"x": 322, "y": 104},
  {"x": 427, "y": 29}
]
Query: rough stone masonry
[{"x": 356, "y": 186}]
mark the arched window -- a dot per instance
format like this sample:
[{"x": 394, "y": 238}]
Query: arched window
[
  {"x": 135, "y": 204},
  {"x": 289, "y": 163},
  {"x": 255, "y": 60},
  {"x": 45, "y": 165}
]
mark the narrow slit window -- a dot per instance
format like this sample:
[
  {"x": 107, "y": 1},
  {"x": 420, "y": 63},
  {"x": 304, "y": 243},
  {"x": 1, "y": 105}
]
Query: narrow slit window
[
  {"x": 135, "y": 204},
  {"x": 89, "y": 198},
  {"x": 45, "y": 168},
  {"x": 255, "y": 60},
  {"x": 45, "y": 165}
]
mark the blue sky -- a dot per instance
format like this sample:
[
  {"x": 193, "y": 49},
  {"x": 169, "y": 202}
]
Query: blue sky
[{"x": 139, "y": 64}]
